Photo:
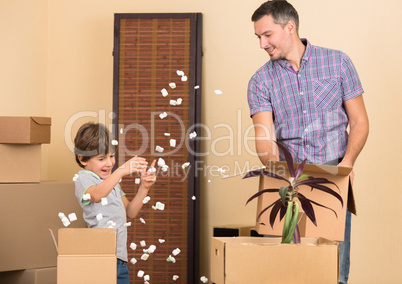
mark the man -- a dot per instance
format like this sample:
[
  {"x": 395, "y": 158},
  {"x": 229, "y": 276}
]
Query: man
[{"x": 305, "y": 96}]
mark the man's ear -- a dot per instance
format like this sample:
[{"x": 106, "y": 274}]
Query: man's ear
[{"x": 291, "y": 27}]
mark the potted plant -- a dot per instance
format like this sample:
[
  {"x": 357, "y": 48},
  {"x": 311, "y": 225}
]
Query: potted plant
[{"x": 290, "y": 198}]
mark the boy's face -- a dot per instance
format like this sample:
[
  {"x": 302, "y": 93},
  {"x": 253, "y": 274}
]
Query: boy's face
[{"x": 101, "y": 165}]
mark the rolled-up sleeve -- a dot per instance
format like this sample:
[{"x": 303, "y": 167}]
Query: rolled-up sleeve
[{"x": 350, "y": 81}]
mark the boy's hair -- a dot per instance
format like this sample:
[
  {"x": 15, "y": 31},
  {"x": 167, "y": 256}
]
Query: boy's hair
[
  {"x": 281, "y": 11},
  {"x": 92, "y": 139}
]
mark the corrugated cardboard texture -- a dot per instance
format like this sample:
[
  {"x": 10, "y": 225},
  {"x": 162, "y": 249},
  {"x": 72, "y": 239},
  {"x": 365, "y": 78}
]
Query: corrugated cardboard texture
[
  {"x": 26, "y": 130},
  {"x": 27, "y": 211},
  {"x": 20, "y": 163},
  {"x": 328, "y": 225},
  {"x": 265, "y": 260},
  {"x": 83, "y": 241},
  {"x": 86, "y": 269},
  {"x": 30, "y": 276}
]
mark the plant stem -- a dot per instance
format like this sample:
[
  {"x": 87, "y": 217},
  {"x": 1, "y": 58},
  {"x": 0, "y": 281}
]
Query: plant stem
[{"x": 296, "y": 235}]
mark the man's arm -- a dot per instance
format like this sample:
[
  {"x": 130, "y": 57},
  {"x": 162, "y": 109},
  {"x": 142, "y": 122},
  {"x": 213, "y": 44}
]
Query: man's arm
[
  {"x": 265, "y": 137},
  {"x": 359, "y": 129}
]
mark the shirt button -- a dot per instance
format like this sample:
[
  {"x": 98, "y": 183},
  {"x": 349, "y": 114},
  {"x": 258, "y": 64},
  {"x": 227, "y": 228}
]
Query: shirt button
[
  {"x": 301, "y": 93},
  {"x": 304, "y": 111},
  {"x": 305, "y": 130},
  {"x": 307, "y": 146}
]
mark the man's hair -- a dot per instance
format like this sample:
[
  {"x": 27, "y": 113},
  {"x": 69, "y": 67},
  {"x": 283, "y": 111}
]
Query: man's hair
[
  {"x": 281, "y": 11},
  {"x": 92, "y": 139}
]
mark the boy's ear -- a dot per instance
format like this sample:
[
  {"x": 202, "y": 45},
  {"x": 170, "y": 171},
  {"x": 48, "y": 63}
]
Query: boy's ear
[{"x": 80, "y": 159}]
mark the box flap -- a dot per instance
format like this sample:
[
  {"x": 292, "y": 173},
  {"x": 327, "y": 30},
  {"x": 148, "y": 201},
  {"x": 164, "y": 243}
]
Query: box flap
[
  {"x": 84, "y": 241},
  {"x": 324, "y": 241},
  {"x": 351, "y": 199},
  {"x": 280, "y": 166},
  {"x": 42, "y": 120}
]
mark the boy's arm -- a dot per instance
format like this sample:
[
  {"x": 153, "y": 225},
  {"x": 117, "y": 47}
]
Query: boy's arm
[
  {"x": 134, "y": 206},
  {"x": 134, "y": 165}
]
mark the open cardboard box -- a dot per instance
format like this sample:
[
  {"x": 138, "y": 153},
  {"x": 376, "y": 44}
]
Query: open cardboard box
[
  {"x": 265, "y": 260},
  {"x": 87, "y": 256},
  {"x": 328, "y": 225},
  {"x": 25, "y": 129}
]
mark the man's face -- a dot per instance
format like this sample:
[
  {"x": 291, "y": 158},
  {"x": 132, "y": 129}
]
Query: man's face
[{"x": 274, "y": 38}]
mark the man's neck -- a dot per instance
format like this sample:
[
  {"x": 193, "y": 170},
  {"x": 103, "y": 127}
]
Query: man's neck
[{"x": 295, "y": 57}]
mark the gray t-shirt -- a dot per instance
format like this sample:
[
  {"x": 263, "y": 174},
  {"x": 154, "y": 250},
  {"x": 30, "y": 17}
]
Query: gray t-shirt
[{"x": 113, "y": 211}]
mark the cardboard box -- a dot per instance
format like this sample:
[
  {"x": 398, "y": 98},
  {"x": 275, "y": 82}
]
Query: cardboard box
[
  {"x": 328, "y": 225},
  {"x": 20, "y": 163},
  {"x": 30, "y": 276},
  {"x": 87, "y": 256},
  {"x": 25, "y": 129},
  {"x": 27, "y": 212},
  {"x": 265, "y": 260},
  {"x": 234, "y": 231}
]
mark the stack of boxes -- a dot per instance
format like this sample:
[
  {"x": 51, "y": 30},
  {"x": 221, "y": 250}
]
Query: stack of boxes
[{"x": 29, "y": 208}]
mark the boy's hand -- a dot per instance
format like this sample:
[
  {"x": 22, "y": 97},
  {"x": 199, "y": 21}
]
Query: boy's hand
[
  {"x": 148, "y": 178},
  {"x": 134, "y": 165}
]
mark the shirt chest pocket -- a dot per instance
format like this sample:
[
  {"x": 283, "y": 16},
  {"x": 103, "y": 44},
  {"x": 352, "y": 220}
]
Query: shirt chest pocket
[{"x": 327, "y": 94}]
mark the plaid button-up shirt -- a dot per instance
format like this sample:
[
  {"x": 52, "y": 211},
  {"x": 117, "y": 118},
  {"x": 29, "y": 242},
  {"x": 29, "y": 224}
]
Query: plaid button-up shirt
[{"x": 307, "y": 105}]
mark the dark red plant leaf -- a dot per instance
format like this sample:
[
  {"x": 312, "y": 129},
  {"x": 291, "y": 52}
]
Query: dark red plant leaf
[
  {"x": 274, "y": 212},
  {"x": 261, "y": 172},
  {"x": 311, "y": 181},
  {"x": 266, "y": 208},
  {"x": 288, "y": 158},
  {"x": 300, "y": 169},
  {"x": 318, "y": 204},
  {"x": 327, "y": 190},
  {"x": 283, "y": 212},
  {"x": 262, "y": 192},
  {"x": 307, "y": 207}
]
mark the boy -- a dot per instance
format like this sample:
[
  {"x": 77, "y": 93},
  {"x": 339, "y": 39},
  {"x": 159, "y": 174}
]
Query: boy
[{"x": 94, "y": 152}]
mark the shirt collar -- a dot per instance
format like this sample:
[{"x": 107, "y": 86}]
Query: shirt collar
[
  {"x": 89, "y": 173},
  {"x": 307, "y": 52},
  {"x": 305, "y": 57}
]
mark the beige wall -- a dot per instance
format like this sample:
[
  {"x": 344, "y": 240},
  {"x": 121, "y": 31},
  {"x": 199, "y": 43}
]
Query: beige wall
[{"x": 56, "y": 61}]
